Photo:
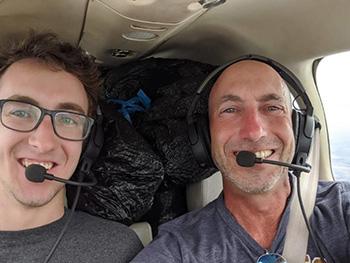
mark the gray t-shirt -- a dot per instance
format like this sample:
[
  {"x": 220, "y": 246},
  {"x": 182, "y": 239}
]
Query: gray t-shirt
[
  {"x": 87, "y": 239},
  {"x": 213, "y": 235}
]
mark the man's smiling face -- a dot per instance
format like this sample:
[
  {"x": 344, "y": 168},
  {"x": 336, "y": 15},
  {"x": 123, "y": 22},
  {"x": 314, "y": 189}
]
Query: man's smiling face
[
  {"x": 31, "y": 81},
  {"x": 249, "y": 110}
]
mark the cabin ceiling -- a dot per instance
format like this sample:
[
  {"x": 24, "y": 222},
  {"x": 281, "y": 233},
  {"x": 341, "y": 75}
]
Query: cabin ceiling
[{"x": 116, "y": 31}]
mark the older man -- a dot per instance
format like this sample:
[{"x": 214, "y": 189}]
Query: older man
[{"x": 250, "y": 110}]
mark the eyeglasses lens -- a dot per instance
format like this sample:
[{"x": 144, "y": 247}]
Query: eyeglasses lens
[{"x": 20, "y": 116}]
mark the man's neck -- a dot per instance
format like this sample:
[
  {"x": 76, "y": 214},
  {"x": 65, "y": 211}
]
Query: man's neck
[
  {"x": 259, "y": 214},
  {"x": 16, "y": 216}
]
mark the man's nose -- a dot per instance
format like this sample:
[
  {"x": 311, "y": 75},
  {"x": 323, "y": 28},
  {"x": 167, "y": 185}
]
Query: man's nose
[
  {"x": 252, "y": 126},
  {"x": 44, "y": 137}
]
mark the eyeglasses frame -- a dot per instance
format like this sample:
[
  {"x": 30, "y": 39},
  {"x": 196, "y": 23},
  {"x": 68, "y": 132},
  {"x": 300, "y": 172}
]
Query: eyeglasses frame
[{"x": 43, "y": 113}]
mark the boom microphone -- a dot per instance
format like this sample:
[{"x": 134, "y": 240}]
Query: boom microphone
[
  {"x": 37, "y": 174},
  {"x": 248, "y": 159}
]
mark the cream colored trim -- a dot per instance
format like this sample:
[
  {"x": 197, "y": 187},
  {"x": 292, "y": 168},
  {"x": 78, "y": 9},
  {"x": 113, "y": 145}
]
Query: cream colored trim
[
  {"x": 297, "y": 234},
  {"x": 143, "y": 231}
]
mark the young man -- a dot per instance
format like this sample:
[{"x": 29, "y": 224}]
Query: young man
[
  {"x": 250, "y": 110},
  {"x": 48, "y": 96}
]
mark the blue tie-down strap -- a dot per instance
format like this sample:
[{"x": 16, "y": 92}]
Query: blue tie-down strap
[{"x": 140, "y": 102}]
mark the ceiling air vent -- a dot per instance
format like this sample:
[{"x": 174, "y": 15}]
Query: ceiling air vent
[
  {"x": 122, "y": 53},
  {"x": 140, "y": 36}
]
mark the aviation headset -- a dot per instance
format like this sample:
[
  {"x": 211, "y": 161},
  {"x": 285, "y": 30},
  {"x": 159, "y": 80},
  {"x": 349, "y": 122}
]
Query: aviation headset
[
  {"x": 303, "y": 120},
  {"x": 93, "y": 146}
]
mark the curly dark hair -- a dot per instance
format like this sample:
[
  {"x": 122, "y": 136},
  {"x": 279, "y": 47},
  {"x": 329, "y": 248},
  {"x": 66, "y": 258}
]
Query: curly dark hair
[{"x": 47, "y": 48}]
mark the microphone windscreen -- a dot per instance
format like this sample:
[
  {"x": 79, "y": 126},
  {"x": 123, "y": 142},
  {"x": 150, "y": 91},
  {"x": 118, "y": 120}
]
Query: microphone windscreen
[
  {"x": 245, "y": 159},
  {"x": 35, "y": 173}
]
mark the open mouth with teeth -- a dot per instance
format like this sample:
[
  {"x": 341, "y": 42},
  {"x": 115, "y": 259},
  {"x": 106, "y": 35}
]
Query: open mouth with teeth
[
  {"x": 47, "y": 165},
  {"x": 261, "y": 154}
]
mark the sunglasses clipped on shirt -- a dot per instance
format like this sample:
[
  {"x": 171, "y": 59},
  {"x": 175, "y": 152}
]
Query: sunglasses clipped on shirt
[
  {"x": 25, "y": 117},
  {"x": 271, "y": 258}
]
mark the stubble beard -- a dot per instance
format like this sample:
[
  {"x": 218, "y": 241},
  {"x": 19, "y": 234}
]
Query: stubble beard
[
  {"x": 251, "y": 182},
  {"x": 255, "y": 183},
  {"x": 35, "y": 202}
]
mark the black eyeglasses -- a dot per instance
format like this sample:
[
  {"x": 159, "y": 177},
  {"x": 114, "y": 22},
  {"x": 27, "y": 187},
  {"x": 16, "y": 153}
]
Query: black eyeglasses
[
  {"x": 271, "y": 258},
  {"x": 25, "y": 117}
]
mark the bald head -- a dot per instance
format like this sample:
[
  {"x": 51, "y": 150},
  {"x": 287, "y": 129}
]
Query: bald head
[{"x": 249, "y": 74}]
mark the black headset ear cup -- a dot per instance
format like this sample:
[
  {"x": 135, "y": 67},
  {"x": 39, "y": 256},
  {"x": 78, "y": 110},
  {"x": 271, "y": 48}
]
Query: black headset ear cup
[
  {"x": 303, "y": 127},
  {"x": 93, "y": 146},
  {"x": 200, "y": 141}
]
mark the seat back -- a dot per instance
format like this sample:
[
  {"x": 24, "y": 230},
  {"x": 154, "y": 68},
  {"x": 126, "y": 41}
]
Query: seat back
[
  {"x": 144, "y": 231},
  {"x": 201, "y": 193},
  {"x": 198, "y": 195}
]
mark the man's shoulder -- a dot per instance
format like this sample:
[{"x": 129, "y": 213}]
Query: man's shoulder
[
  {"x": 334, "y": 195},
  {"x": 193, "y": 220},
  {"x": 198, "y": 236},
  {"x": 103, "y": 235},
  {"x": 103, "y": 229},
  {"x": 333, "y": 188},
  {"x": 99, "y": 224}
]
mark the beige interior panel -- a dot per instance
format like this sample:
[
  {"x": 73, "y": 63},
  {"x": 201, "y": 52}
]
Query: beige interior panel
[
  {"x": 64, "y": 17},
  {"x": 107, "y": 31},
  {"x": 285, "y": 30},
  {"x": 155, "y": 11}
]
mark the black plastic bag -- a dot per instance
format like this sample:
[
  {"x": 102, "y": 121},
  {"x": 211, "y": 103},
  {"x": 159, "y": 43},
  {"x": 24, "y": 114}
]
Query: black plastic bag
[
  {"x": 170, "y": 84},
  {"x": 128, "y": 174}
]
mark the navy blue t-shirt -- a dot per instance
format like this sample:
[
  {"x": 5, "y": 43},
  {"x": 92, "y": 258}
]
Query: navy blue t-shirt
[{"x": 212, "y": 234}]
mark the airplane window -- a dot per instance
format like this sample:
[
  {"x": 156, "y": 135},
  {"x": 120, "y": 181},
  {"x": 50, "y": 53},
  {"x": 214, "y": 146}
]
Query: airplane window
[{"x": 333, "y": 81}]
